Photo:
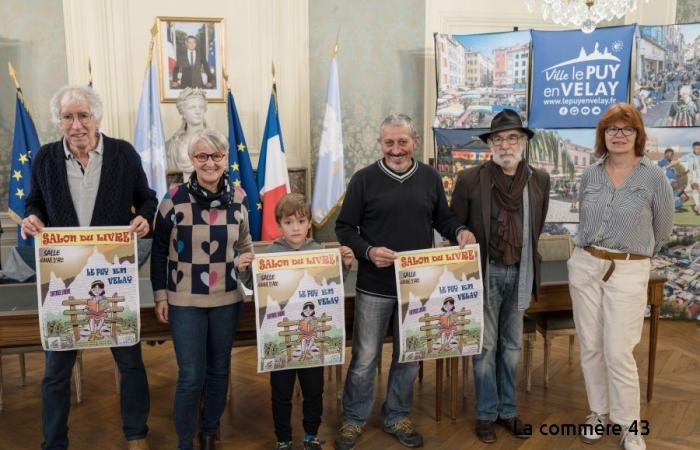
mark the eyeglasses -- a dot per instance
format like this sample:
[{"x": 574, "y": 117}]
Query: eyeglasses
[
  {"x": 203, "y": 157},
  {"x": 68, "y": 119},
  {"x": 512, "y": 139},
  {"x": 626, "y": 131}
]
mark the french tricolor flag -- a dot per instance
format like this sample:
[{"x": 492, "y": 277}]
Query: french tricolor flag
[{"x": 272, "y": 176}]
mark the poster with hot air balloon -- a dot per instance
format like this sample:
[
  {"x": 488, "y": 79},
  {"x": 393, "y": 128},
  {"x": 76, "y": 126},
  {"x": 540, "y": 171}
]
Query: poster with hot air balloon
[
  {"x": 440, "y": 295},
  {"x": 300, "y": 309}
]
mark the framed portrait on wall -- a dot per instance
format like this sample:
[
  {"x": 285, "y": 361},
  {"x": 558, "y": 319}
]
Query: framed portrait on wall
[{"x": 191, "y": 55}]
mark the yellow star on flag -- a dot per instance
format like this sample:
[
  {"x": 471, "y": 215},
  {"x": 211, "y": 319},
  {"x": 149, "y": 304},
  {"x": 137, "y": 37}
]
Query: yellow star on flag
[
  {"x": 23, "y": 158},
  {"x": 237, "y": 183},
  {"x": 17, "y": 175},
  {"x": 234, "y": 167},
  {"x": 241, "y": 147},
  {"x": 259, "y": 205},
  {"x": 19, "y": 193}
]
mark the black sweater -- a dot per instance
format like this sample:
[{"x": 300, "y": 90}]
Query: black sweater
[
  {"x": 383, "y": 209},
  {"x": 123, "y": 185}
]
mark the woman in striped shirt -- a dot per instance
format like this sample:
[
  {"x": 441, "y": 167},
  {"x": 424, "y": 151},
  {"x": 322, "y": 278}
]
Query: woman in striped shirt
[{"x": 626, "y": 215}]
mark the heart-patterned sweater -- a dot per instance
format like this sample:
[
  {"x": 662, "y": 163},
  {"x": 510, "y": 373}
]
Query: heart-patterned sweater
[{"x": 195, "y": 250}]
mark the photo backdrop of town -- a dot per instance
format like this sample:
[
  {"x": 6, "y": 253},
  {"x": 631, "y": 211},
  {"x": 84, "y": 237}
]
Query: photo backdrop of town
[
  {"x": 564, "y": 153},
  {"x": 667, "y": 80},
  {"x": 480, "y": 75}
]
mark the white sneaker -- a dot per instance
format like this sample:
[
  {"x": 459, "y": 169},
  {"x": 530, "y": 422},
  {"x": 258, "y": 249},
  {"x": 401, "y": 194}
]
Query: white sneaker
[
  {"x": 632, "y": 441},
  {"x": 595, "y": 420}
]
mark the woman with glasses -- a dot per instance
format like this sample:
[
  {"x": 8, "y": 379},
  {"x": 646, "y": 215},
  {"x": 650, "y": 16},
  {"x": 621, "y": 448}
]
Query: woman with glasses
[
  {"x": 626, "y": 215},
  {"x": 201, "y": 235}
]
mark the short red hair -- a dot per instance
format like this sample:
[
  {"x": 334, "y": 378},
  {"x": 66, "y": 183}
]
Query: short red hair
[{"x": 620, "y": 112}]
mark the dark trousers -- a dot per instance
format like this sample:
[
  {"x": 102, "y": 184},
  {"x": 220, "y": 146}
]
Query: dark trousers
[
  {"x": 202, "y": 338},
  {"x": 55, "y": 395},
  {"x": 282, "y": 387}
]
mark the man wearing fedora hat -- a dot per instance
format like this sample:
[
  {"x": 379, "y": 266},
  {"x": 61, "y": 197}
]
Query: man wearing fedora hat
[{"x": 503, "y": 202}]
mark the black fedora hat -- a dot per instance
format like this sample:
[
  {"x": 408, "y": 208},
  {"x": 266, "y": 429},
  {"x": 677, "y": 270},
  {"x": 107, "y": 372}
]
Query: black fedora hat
[{"x": 506, "y": 120}]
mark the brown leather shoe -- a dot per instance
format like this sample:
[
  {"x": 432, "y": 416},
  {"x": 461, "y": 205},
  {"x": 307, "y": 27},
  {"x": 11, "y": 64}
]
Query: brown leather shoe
[
  {"x": 138, "y": 444},
  {"x": 486, "y": 431}
]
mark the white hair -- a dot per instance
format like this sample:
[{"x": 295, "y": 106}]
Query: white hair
[
  {"x": 399, "y": 120},
  {"x": 210, "y": 137},
  {"x": 75, "y": 93}
]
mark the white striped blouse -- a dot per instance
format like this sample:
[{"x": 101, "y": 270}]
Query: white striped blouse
[{"x": 637, "y": 217}]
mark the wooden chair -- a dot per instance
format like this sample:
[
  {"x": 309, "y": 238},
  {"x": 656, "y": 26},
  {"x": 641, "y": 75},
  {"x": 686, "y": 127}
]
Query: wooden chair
[
  {"x": 21, "y": 351},
  {"x": 553, "y": 323},
  {"x": 529, "y": 337},
  {"x": 27, "y": 256}
]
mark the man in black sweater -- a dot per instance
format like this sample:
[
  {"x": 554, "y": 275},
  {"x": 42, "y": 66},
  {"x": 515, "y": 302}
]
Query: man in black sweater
[
  {"x": 88, "y": 179},
  {"x": 390, "y": 206}
]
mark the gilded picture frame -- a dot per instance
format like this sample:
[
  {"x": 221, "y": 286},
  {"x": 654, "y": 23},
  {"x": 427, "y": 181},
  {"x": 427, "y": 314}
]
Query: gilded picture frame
[{"x": 191, "y": 55}]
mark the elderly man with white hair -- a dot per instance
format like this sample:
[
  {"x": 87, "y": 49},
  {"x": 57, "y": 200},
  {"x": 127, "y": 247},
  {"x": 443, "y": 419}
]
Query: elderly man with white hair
[
  {"x": 88, "y": 179},
  {"x": 504, "y": 202}
]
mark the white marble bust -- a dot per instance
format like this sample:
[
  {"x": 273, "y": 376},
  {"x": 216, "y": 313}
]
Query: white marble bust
[{"x": 192, "y": 106}]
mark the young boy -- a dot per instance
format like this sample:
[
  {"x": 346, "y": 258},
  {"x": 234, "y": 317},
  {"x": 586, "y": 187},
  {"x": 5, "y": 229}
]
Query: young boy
[{"x": 293, "y": 216}]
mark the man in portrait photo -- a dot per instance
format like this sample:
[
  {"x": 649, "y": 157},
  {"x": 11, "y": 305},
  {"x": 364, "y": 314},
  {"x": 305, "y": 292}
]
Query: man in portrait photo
[{"x": 192, "y": 69}]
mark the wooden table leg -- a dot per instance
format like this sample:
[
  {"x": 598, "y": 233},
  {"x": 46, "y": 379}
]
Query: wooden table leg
[
  {"x": 653, "y": 335},
  {"x": 438, "y": 390},
  {"x": 454, "y": 384},
  {"x": 339, "y": 382},
  {"x": 465, "y": 375},
  {"x": 22, "y": 370},
  {"x": 1, "y": 405}
]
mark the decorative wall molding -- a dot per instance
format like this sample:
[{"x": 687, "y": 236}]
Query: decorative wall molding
[{"x": 114, "y": 34}]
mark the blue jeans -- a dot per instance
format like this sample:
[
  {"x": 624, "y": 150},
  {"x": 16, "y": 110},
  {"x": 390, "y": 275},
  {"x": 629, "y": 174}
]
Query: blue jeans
[
  {"x": 372, "y": 317},
  {"x": 202, "y": 338},
  {"x": 496, "y": 368},
  {"x": 55, "y": 395}
]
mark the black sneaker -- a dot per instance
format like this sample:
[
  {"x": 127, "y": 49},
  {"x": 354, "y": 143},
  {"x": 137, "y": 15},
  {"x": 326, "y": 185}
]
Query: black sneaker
[
  {"x": 313, "y": 444},
  {"x": 348, "y": 435},
  {"x": 486, "y": 431},
  {"x": 516, "y": 427},
  {"x": 403, "y": 431},
  {"x": 284, "y": 445}
]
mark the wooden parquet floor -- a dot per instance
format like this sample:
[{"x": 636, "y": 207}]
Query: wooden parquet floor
[{"x": 673, "y": 415}]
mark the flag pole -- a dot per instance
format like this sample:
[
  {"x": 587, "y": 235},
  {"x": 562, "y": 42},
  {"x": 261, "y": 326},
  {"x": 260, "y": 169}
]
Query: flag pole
[
  {"x": 151, "y": 45},
  {"x": 89, "y": 73},
  {"x": 274, "y": 87},
  {"x": 20, "y": 94},
  {"x": 337, "y": 40},
  {"x": 224, "y": 74},
  {"x": 13, "y": 75}
]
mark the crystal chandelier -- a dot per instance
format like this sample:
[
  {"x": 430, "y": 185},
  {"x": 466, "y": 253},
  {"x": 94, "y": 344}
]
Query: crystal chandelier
[{"x": 584, "y": 14}]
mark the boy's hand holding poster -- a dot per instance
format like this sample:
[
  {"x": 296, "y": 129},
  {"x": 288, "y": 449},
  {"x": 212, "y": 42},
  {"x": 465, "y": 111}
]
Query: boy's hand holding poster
[
  {"x": 87, "y": 287},
  {"x": 440, "y": 298},
  {"x": 300, "y": 309}
]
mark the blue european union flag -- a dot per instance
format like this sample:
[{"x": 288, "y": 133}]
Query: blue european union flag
[
  {"x": 241, "y": 169},
  {"x": 24, "y": 145}
]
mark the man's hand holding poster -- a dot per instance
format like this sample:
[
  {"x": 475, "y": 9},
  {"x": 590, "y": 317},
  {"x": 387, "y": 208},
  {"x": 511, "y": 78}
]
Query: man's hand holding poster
[
  {"x": 440, "y": 297},
  {"x": 87, "y": 287},
  {"x": 300, "y": 309}
]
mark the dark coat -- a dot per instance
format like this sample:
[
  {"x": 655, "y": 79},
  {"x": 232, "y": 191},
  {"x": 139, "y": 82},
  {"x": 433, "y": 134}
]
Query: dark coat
[
  {"x": 123, "y": 185},
  {"x": 192, "y": 73},
  {"x": 471, "y": 203}
]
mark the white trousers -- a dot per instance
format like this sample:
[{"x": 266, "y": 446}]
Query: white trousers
[{"x": 609, "y": 318}]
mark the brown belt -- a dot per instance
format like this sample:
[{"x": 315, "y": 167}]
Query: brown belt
[{"x": 612, "y": 256}]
